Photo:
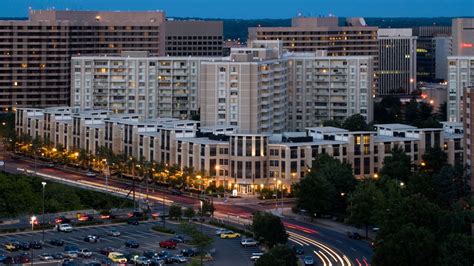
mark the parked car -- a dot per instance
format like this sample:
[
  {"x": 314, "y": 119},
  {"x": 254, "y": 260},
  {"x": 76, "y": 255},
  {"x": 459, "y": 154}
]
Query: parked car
[
  {"x": 136, "y": 215},
  {"x": 117, "y": 257},
  {"x": 2, "y": 258},
  {"x": 113, "y": 232},
  {"x": 142, "y": 260},
  {"x": 157, "y": 262},
  {"x": 221, "y": 231},
  {"x": 36, "y": 245},
  {"x": 69, "y": 262},
  {"x": 85, "y": 253},
  {"x": 150, "y": 254},
  {"x": 91, "y": 238},
  {"x": 58, "y": 256},
  {"x": 308, "y": 260},
  {"x": 25, "y": 246},
  {"x": 168, "y": 244},
  {"x": 9, "y": 260},
  {"x": 56, "y": 242},
  {"x": 188, "y": 252},
  {"x": 106, "y": 251},
  {"x": 64, "y": 228},
  {"x": 248, "y": 242},
  {"x": 353, "y": 235},
  {"x": 256, "y": 255},
  {"x": 70, "y": 254},
  {"x": 179, "y": 259},
  {"x": 11, "y": 246},
  {"x": 132, "y": 244},
  {"x": 46, "y": 257},
  {"x": 22, "y": 259},
  {"x": 229, "y": 234}
]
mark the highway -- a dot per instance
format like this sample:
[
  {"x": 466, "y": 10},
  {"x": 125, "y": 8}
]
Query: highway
[{"x": 329, "y": 246}]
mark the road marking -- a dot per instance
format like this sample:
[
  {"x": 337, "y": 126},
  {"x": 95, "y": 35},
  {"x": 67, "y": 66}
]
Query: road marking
[{"x": 353, "y": 249}]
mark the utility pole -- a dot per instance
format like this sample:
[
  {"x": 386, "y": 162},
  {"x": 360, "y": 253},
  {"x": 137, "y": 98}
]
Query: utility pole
[{"x": 42, "y": 222}]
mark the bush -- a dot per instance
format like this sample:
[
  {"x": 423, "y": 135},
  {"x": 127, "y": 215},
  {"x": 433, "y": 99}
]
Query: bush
[{"x": 162, "y": 229}]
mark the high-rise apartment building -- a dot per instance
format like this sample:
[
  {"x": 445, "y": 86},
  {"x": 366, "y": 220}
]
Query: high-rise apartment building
[
  {"x": 468, "y": 123},
  {"x": 463, "y": 36},
  {"x": 194, "y": 38},
  {"x": 460, "y": 76},
  {"x": 397, "y": 61},
  {"x": 135, "y": 83},
  {"x": 35, "y": 53},
  {"x": 249, "y": 91},
  {"x": 426, "y": 51},
  {"x": 443, "y": 47},
  {"x": 324, "y": 88}
]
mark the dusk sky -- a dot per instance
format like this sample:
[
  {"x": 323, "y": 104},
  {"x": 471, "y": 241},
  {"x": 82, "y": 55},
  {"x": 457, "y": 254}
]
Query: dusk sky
[{"x": 257, "y": 8}]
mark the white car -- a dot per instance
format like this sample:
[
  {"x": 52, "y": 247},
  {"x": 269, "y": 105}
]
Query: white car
[
  {"x": 85, "y": 253},
  {"x": 113, "y": 232},
  {"x": 90, "y": 174},
  {"x": 256, "y": 255},
  {"x": 45, "y": 257},
  {"x": 179, "y": 259},
  {"x": 70, "y": 254},
  {"x": 222, "y": 231},
  {"x": 64, "y": 228},
  {"x": 248, "y": 242}
]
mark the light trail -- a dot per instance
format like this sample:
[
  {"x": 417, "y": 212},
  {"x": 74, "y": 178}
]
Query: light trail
[
  {"x": 321, "y": 258},
  {"x": 330, "y": 263}
]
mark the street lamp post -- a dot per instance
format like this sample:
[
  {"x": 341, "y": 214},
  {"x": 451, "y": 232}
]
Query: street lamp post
[
  {"x": 42, "y": 218},
  {"x": 107, "y": 173},
  {"x": 202, "y": 215}
]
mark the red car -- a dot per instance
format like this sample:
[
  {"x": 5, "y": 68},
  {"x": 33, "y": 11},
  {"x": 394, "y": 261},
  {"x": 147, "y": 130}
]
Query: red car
[{"x": 168, "y": 244}]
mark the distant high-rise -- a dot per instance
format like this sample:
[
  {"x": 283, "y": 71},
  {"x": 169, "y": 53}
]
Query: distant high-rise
[
  {"x": 36, "y": 53},
  {"x": 460, "y": 76},
  {"x": 468, "y": 125},
  {"x": 426, "y": 51},
  {"x": 397, "y": 61},
  {"x": 463, "y": 36}
]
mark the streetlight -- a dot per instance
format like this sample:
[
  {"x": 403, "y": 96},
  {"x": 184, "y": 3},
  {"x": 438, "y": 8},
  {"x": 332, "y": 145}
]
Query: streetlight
[
  {"x": 42, "y": 218},
  {"x": 107, "y": 173},
  {"x": 202, "y": 214},
  {"x": 33, "y": 221},
  {"x": 278, "y": 185}
]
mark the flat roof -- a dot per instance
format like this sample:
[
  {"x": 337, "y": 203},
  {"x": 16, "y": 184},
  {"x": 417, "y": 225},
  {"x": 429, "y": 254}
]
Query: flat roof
[{"x": 327, "y": 129}]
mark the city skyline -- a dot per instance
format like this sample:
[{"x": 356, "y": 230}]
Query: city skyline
[{"x": 240, "y": 9}]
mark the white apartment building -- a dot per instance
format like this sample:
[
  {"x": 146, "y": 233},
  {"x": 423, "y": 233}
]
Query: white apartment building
[
  {"x": 324, "y": 88},
  {"x": 460, "y": 76},
  {"x": 134, "y": 83}
]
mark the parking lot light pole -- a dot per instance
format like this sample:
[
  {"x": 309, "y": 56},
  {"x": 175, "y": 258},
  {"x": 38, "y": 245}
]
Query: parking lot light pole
[
  {"x": 42, "y": 218},
  {"x": 202, "y": 217}
]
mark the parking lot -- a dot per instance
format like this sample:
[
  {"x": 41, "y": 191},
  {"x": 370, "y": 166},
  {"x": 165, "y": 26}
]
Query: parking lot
[{"x": 227, "y": 251}]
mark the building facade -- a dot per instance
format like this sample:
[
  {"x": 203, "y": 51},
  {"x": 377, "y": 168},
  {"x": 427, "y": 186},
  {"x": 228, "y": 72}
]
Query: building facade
[
  {"x": 468, "y": 123},
  {"x": 426, "y": 51},
  {"x": 397, "y": 61},
  {"x": 135, "y": 83},
  {"x": 463, "y": 36},
  {"x": 36, "y": 53},
  {"x": 230, "y": 158},
  {"x": 460, "y": 76}
]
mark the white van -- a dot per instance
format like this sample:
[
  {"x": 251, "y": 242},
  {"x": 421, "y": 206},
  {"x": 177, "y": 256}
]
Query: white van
[{"x": 64, "y": 228}]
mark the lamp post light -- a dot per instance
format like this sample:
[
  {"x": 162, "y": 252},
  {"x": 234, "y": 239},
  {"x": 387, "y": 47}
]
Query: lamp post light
[
  {"x": 202, "y": 217},
  {"x": 278, "y": 189},
  {"x": 33, "y": 221},
  {"x": 42, "y": 218},
  {"x": 107, "y": 173}
]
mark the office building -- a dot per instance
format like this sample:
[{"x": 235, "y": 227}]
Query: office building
[
  {"x": 463, "y": 36},
  {"x": 468, "y": 123},
  {"x": 36, "y": 52},
  {"x": 460, "y": 76},
  {"x": 426, "y": 55},
  {"x": 135, "y": 83},
  {"x": 443, "y": 48},
  {"x": 324, "y": 88},
  {"x": 194, "y": 38},
  {"x": 235, "y": 160},
  {"x": 397, "y": 61}
]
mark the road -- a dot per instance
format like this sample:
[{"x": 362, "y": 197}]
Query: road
[{"x": 330, "y": 246}]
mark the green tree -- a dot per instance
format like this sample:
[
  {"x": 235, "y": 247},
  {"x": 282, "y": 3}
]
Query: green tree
[
  {"x": 388, "y": 110},
  {"x": 278, "y": 255},
  {"x": 314, "y": 193},
  {"x": 434, "y": 158},
  {"x": 174, "y": 212},
  {"x": 332, "y": 123},
  {"x": 198, "y": 239},
  {"x": 189, "y": 213},
  {"x": 456, "y": 249},
  {"x": 207, "y": 208},
  {"x": 269, "y": 229},
  {"x": 355, "y": 123},
  {"x": 397, "y": 166},
  {"x": 365, "y": 200}
]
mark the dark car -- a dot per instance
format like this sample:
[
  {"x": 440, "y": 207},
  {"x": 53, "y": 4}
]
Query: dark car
[
  {"x": 2, "y": 258},
  {"x": 69, "y": 262},
  {"x": 36, "y": 245},
  {"x": 136, "y": 215},
  {"x": 9, "y": 260},
  {"x": 62, "y": 220},
  {"x": 24, "y": 246},
  {"x": 58, "y": 256},
  {"x": 105, "y": 251},
  {"x": 91, "y": 238},
  {"x": 56, "y": 242},
  {"x": 150, "y": 254},
  {"x": 132, "y": 221},
  {"x": 298, "y": 250},
  {"x": 23, "y": 258},
  {"x": 188, "y": 252},
  {"x": 176, "y": 192},
  {"x": 132, "y": 244},
  {"x": 354, "y": 235},
  {"x": 157, "y": 262}
]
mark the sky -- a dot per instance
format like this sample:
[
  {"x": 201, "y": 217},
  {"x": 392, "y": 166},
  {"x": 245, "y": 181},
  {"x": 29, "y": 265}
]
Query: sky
[{"x": 256, "y": 8}]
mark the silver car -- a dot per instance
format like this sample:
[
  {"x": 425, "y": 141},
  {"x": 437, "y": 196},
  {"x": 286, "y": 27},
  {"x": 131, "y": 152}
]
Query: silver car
[
  {"x": 45, "y": 257},
  {"x": 248, "y": 242}
]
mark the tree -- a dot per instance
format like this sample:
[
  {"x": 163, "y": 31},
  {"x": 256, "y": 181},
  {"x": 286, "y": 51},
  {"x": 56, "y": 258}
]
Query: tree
[
  {"x": 269, "y": 229},
  {"x": 332, "y": 123},
  {"x": 365, "y": 199},
  {"x": 174, "y": 212},
  {"x": 207, "y": 208},
  {"x": 388, "y": 110},
  {"x": 398, "y": 166},
  {"x": 355, "y": 123},
  {"x": 278, "y": 255},
  {"x": 314, "y": 193},
  {"x": 198, "y": 239},
  {"x": 434, "y": 159},
  {"x": 189, "y": 213}
]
